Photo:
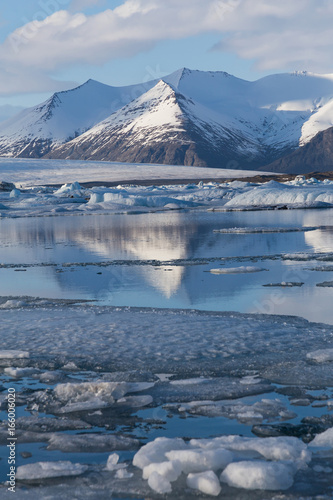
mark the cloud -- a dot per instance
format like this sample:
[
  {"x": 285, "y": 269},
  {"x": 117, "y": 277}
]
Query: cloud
[{"x": 287, "y": 34}]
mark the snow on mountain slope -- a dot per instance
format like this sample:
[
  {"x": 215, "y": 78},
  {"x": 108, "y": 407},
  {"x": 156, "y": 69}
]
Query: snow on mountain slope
[
  {"x": 163, "y": 126},
  {"x": 63, "y": 116},
  {"x": 266, "y": 119},
  {"x": 274, "y": 109},
  {"x": 319, "y": 121}
]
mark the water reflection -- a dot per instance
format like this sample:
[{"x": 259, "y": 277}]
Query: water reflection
[{"x": 162, "y": 239}]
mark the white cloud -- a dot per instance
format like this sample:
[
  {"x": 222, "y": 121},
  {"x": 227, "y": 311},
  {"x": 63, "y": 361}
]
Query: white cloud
[{"x": 293, "y": 34}]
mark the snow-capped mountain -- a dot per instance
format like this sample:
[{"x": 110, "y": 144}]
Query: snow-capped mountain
[
  {"x": 164, "y": 126},
  {"x": 35, "y": 131},
  {"x": 187, "y": 118}
]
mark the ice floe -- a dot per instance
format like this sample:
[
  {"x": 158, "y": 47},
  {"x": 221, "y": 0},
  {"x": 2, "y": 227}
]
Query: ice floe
[
  {"x": 206, "y": 482},
  {"x": 250, "y": 463},
  {"x": 255, "y": 475},
  {"x": 46, "y": 470},
  {"x": 237, "y": 270},
  {"x": 321, "y": 355}
]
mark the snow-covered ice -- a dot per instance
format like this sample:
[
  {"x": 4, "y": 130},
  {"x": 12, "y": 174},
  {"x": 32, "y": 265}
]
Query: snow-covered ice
[
  {"x": 255, "y": 475},
  {"x": 324, "y": 439},
  {"x": 206, "y": 482},
  {"x": 43, "y": 470},
  {"x": 277, "y": 460},
  {"x": 321, "y": 355}
]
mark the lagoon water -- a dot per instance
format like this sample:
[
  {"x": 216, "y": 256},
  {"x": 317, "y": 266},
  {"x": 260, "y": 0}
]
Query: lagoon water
[{"x": 164, "y": 260}]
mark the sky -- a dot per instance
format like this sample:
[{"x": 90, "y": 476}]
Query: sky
[{"x": 53, "y": 45}]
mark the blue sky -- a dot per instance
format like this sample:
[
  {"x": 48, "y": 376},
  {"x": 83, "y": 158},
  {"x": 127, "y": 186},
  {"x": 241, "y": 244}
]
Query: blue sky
[{"x": 49, "y": 45}]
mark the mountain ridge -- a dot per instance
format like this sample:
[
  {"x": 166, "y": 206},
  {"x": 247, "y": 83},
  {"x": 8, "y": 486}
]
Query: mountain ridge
[{"x": 224, "y": 119}]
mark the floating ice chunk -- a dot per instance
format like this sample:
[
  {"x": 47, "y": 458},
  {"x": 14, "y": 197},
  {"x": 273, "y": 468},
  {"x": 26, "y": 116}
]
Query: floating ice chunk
[
  {"x": 321, "y": 356},
  {"x": 13, "y": 304},
  {"x": 43, "y": 470},
  {"x": 201, "y": 460},
  {"x": 253, "y": 230},
  {"x": 325, "y": 470},
  {"x": 259, "y": 475},
  {"x": 246, "y": 413},
  {"x": 89, "y": 395},
  {"x": 112, "y": 461},
  {"x": 189, "y": 381},
  {"x": 250, "y": 380},
  {"x": 45, "y": 424},
  {"x": 171, "y": 470},
  {"x": 206, "y": 482},
  {"x": 91, "y": 443},
  {"x": 15, "y": 193},
  {"x": 12, "y": 354},
  {"x": 123, "y": 474},
  {"x": 159, "y": 483},
  {"x": 172, "y": 206},
  {"x": 237, "y": 270},
  {"x": 135, "y": 401},
  {"x": 68, "y": 189},
  {"x": 273, "y": 448},
  {"x": 325, "y": 284},
  {"x": 324, "y": 439},
  {"x": 19, "y": 372},
  {"x": 286, "y": 284},
  {"x": 156, "y": 450}
]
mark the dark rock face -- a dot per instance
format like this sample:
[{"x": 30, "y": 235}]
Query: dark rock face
[{"x": 316, "y": 155}]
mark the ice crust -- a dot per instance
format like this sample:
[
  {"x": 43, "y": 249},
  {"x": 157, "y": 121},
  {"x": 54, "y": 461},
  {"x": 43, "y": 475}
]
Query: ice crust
[
  {"x": 120, "y": 336},
  {"x": 266, "y": 409}
]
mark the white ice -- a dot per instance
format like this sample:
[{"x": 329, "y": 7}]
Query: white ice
[
  {"x": 258, "y": 475},
  {"x": 237, "y": 270},
  {"x": 13, "y": 354},
  {"x": 206, "y": 482},
  {"x": 43, "y": 470},
  {"x": 321, "y": 355}
]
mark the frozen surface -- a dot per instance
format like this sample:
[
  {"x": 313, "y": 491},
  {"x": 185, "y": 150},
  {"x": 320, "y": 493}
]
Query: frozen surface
[
  {"x": 120, "y": 336},
  {"x": 31, "y": 172},
  {"x": 42, "y": 470}
]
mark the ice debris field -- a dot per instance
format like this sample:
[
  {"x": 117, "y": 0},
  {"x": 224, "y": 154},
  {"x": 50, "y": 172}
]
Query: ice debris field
[
  {"x": 73, "y": 199},
  {"x": 120, "y": 398}
]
